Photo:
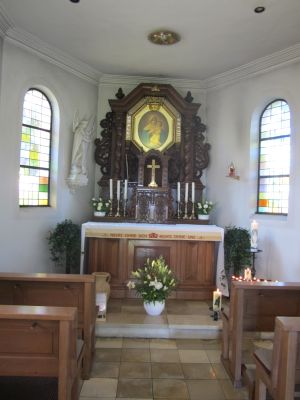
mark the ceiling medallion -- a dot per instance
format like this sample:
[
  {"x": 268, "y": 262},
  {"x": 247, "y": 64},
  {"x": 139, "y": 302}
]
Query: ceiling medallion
[
  {"x": 259, "y": 9},
  {"x": 164, "y": 37}
]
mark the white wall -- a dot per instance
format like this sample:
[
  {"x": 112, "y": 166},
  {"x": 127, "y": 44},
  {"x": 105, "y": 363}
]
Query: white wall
[
  {"x": 233, "y": 121},
  {"x": 23, "y": 244}
]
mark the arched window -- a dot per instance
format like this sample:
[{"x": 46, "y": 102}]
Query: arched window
[
  {"x": 274, "y": 159},
  {"x": 35, "y": 154}
]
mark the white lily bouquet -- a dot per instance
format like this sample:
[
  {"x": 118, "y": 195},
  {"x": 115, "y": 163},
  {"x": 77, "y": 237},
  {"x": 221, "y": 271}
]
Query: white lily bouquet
[{"x": 154, "y": 282}]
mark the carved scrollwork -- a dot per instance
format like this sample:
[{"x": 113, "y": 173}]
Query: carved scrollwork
[
  {"x": 103, "y": 145},
  {"x": 201, "y": 148}
]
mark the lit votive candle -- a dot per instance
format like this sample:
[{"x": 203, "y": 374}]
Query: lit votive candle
[
  {"x": 247, "y": 274},
  {"x": 217, "y": 300}
]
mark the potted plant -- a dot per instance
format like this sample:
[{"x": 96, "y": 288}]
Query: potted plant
[
  {"x": 236, "y": 250},
  {"x": 100, "y": 206},
  {"x": 64, "y": 246},
  {"x": 153, "y": 283},
  {"x": 204, "y": 208}
]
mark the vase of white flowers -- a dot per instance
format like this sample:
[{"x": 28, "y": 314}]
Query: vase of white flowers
[
  {"x": 100, "y": 206},
  {"x": 204, "y": 208},
  {"x": 153, "y": 283}
]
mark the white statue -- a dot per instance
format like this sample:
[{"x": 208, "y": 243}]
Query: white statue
[{"x": 83, "y": 134}]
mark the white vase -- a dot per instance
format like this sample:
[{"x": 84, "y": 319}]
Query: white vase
[
  {"x": 154, "y": 308},
  {"x": 99, "y": 213},
  {"x": 204, "y": 217}
]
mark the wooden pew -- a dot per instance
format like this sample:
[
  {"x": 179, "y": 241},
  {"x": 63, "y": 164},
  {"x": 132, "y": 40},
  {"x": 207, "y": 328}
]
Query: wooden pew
[
  {"x": 41, "y": 342},
  {"x": 65, "y": 290},
  {"x": 253, "y": 308},
  {"x": 280, "y": 371}
]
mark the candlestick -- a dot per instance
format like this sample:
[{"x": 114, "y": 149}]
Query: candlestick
[
  {"x": 185, "y": 211},
  {"x": 118, "y": 190},
  {"x": 118, "y": 209},
  {"x": 178, "y": 192},
  {"x": 193, "y": 211},
  {"x": 125, "y": 189},
  {"x": 186, "y": 192},
  {"x": 111, "y": 189},
  {"x": 217, "y": 300},
  {"x": 254, "y": 234},
  {"x": 178, "y": 209},
  {"x": 124, "y": 207},
  {"x": 193, "y": 192}
]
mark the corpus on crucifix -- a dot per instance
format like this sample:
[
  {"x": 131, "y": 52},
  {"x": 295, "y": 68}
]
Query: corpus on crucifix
[{"x": 153, "y": 167}]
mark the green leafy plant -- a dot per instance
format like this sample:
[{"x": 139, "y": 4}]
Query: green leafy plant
[
  {"x": 154, "y": 281},
  {"x": 64, "y": 245},
  {"x": 236, "y": 249}
]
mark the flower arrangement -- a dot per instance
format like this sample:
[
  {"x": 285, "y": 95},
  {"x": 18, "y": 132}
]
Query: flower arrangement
[
  {"x": 100, "y": 205},
  {"x": 153, "y": 282},
  {"x": 204, "y": 207}
]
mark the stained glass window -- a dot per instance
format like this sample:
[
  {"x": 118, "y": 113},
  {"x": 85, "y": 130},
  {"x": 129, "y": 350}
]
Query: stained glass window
[
  {"x": 274, "y": 159},
  {"x": 34, "y": 177}
]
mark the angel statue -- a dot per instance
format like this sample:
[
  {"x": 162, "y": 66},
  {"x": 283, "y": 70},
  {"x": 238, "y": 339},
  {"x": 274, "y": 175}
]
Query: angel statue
[{"x": 83, "y": 134}]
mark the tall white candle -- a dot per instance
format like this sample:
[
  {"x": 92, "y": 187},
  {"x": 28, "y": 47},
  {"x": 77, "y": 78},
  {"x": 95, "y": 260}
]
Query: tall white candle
[
  {"x": 193, "y": 192},
  {"x": 118, "y": 189},
  {"x": 178, "y": 192},
  {"x": 111, "y": 189},
  {"x": 217, "y": 300},
  {"x": 254, "y": 234},
  {"x": 125, "y": 189},
  {"x": 186, "y": 192}
]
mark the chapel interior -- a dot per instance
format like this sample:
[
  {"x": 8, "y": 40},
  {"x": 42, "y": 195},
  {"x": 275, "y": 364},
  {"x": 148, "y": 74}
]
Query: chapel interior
[{"x": 153, "y": 107}]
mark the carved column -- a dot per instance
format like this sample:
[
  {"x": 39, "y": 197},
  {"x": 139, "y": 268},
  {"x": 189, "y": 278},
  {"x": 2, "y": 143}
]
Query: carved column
[
  {"x": 188, "y": 147},
  {"x": 118, "y": 144}
]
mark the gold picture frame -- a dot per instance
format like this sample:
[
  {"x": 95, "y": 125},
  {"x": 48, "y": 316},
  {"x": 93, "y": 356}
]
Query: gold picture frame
[{"x": 152, "y": 125}]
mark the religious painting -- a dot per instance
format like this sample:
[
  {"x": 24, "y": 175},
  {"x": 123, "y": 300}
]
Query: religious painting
[
  {"x": 153, "y": 129},
  {"x": 153, "y": 126}
]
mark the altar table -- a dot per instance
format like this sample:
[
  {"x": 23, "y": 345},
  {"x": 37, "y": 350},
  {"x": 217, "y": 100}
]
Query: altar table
[{"x": 195, "y": 253}]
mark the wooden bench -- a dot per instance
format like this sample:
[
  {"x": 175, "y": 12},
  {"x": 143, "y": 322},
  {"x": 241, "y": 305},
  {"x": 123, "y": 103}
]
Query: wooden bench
[
  {"x": 253, "y": 308},
  {"x": 41, "y": 342},
  {"x": 279, "y": 371},
  {"x": 58, "y": 290}
]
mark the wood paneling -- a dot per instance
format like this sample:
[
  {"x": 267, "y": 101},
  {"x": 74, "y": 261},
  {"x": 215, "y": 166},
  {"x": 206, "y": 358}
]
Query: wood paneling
[{"x": 193, "y": 263}]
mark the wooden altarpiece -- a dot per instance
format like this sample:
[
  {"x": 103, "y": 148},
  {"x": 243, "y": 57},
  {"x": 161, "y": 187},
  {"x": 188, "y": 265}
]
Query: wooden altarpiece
[{"x": 152, "y": 133}]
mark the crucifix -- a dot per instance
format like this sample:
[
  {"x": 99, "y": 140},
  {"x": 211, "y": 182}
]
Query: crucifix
[{"x": 153, "y": 167}]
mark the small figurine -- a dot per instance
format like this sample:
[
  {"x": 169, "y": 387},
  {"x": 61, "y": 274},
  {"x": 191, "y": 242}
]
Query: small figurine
[{"x": 231, "y": 169}]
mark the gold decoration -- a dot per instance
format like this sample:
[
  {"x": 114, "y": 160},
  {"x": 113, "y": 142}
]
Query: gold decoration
[
  {"x": 153, "y": 167},
  {"x": 164, "y": 37}
]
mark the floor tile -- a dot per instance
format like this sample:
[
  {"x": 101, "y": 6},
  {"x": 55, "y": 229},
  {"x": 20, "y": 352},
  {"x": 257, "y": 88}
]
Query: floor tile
[
  {"x": 198, "y": 371},
  {"x": 105, "y": 370},
  {"x": 163, "y": 344},
  {"x": 231, "y": 393},
  {"x": 167, "y": 371},
  {"x": 170, "y": 388},
  {"x": 135, "y": 355},
  {"x": 136, "y": 343},
  {"x": 107, "y": 355},
  {"x": 161, "y": 356},
  {"x": 213, "y": 355},
  {"x": 132, "y": 370},
  {"x": 99, "y": 387},
  {"x": 220, "y": 371},
  {"x": 135, "y": 388},
  {"x": 209, "y": 389},
  {"x": 198, "y": 344},
  {"x": 111, "y": 343},
  {"x": 193, "y": 356}
]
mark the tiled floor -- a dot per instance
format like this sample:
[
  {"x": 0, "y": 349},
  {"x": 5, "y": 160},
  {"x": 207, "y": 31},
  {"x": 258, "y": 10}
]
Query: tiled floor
[
  {"x": 183, "y": 369},
  {"x": 162, "y": 369}
]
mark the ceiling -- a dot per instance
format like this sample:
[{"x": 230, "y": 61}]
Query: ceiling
[{"x": 111, "y": 35}]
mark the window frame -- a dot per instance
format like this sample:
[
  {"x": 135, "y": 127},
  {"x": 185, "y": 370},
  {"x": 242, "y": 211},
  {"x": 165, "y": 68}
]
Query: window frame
[
  {"x": 50, "y": 148},
  {"x": 259, "y": 176}
]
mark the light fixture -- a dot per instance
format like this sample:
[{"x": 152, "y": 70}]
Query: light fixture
[
  {"x": 74, "y": 1},
  {"x": 259, "y": 9},
  {"x": 164, "y": 37}
]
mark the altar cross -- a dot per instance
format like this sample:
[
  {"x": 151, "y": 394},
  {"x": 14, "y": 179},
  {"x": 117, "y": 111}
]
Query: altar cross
[{"x": 153, "y": 167}]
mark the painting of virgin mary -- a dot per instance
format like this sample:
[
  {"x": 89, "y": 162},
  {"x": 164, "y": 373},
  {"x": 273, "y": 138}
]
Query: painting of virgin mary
[{"x": 153, "y": 129}]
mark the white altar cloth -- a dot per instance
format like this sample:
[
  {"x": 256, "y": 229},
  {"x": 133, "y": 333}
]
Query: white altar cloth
[{"x": 112, "y": 230}]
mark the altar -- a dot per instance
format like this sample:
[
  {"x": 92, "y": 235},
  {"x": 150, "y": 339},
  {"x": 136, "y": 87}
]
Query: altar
[{"x": 195, "y": 253}]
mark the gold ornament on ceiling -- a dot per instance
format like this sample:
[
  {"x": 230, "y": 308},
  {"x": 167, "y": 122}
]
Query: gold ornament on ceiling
[{"x": 164, "y": 37}]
